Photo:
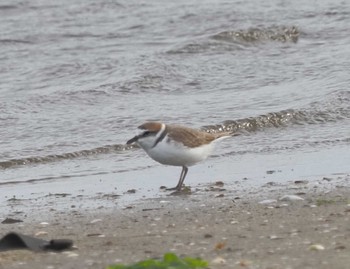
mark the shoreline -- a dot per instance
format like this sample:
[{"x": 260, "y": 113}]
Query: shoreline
[{"x": 228, "y": 228}]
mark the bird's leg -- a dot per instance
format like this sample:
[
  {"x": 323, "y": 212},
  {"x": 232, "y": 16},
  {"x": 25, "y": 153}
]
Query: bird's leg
[{"x": 181, "y": 180}]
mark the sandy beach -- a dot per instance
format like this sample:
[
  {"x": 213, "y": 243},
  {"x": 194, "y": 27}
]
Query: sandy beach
[
  {"x": 78, "y": 77},
  {"x": 299, "y": 224}
]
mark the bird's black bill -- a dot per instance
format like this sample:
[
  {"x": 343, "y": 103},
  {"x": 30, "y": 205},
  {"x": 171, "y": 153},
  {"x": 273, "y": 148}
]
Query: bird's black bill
[{"x": 132, "y": 140}]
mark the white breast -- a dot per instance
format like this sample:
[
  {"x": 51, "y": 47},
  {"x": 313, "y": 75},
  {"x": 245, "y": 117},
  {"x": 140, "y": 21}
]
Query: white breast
[{"x": 172, "y": 153}]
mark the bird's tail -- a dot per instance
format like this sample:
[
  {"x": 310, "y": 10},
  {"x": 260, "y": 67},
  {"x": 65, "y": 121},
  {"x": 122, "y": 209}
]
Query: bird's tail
[{"x": 222, "y": 135}]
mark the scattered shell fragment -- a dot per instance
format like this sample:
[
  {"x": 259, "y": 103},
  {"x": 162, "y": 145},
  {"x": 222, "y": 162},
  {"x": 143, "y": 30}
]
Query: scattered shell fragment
[
  {"x": 274, "y": 237},
  {"x": 316, "y": 247},
  {"x": 95, "y": 220},
  {"x": 218, "y": 260},
  {"x": 291, "y": 198},
  {"x": 41, "y": 233},
  {"x": 72, "y": 254},
  {"x": 44, "y": 223},
  {"x": 267, "y": 202},
  {"x": 284, "y": 205}
]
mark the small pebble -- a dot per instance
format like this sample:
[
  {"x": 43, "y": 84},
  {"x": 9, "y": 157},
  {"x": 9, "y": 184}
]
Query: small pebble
[
  {"x": 131, "y": 191},
  {"x": 219, "y": 183},
  {"x": 95, "y": 235},
  {"x": 11, "y": 221},
  {"x": 301, "y": 182},
  {"x": 244, "y": 263}
]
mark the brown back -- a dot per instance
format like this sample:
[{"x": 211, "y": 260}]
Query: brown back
[{"x": 191, "y": 137}]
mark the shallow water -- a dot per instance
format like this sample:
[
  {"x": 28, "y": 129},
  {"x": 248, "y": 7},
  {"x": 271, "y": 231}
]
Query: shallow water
[{"x": 78, "y": 77}]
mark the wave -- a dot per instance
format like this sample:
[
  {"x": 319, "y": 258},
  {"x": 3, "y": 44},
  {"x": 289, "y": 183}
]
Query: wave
[
  {"x": 7, "y": 7},
  {"x": 336, "y": 108},
  {"x": 275, "y": 33},
  {"x": 64, "y": 156},
  {"x": 229, "y": 40},
  {"x": 14, "y": 41}
]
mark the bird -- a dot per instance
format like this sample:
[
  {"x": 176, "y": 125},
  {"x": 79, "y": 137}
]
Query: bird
[{"x": 176, "y": 145}]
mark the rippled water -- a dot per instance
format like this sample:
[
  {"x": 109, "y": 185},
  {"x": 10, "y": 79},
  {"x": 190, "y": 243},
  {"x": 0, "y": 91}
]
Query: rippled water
[{"x": 78, "y": 77}]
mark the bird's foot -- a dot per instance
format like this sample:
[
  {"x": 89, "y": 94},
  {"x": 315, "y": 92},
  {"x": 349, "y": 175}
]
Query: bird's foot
[
  {"x": 182, "y": 191},
  {"x": 173, "y": 189}
]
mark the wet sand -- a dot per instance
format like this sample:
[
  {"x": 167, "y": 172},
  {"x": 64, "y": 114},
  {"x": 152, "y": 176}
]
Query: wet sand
[{"x": 247, "y": 229}]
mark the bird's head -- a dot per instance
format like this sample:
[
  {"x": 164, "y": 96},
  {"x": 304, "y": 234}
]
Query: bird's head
[{"x": 151, "y": 132}]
